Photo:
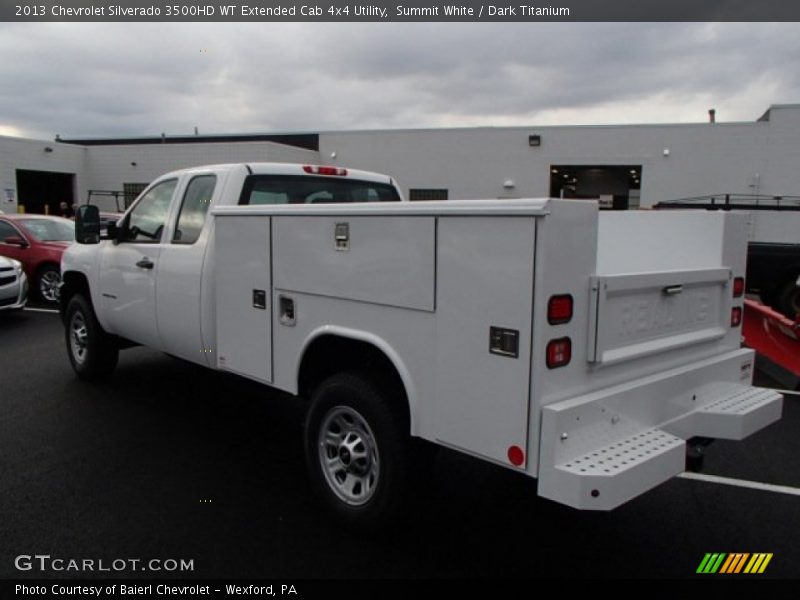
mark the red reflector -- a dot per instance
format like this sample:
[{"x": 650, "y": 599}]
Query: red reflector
[
  {"x": 738, "y": 287},
  {"x": 559, "y": 353},
  {"x": 516, "y": 456},
  {"x": 316, "y": 170},
  {"x": 559, "y": 309},
  {"x": 736, "y": 316}
]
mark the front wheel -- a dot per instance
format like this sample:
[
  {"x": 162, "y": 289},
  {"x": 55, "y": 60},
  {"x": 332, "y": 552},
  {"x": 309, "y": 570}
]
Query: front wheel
[
  {"x": 92, "y": 352},
  {"x": 357, "y": 450}
]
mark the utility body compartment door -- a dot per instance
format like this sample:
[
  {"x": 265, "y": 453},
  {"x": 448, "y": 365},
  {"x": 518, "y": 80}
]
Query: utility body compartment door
[
  {"x": 385, "y": 260},
  {"x": 243, "y": 296},
  {"x": 484, "y": 305}
]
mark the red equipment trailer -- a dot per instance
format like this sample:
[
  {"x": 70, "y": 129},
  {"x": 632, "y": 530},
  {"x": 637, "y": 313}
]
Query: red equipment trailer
[{"x": 776, "y": 340}]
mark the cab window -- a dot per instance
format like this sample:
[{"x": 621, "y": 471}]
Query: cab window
[
  {"x": 194, "y": 208},
  {"x": 300, "y": 189},
  {"x": 146, "y": 221}
]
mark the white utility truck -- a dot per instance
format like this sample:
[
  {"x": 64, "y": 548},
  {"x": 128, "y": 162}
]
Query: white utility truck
[{"x": 580, "y": 348}]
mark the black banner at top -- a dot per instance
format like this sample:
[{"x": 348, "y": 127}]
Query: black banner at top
[{"x": 399, "y": 10}]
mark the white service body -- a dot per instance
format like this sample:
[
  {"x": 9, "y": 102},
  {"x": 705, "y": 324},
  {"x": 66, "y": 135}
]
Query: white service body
[{"x": 654, "y": 357}]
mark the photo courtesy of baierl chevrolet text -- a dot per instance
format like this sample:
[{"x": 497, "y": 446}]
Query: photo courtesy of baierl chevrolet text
[{"x": 379, "y": 300}]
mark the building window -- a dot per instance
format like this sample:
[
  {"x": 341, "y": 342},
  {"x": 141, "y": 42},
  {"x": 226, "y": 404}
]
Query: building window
[
  {"x": 132, "y": 191},
  {"x": 615, "y": 187},
  {"x": 426, "y": 194}
]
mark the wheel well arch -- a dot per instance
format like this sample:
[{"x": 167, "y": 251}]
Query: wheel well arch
[
  {"x": 332, "y": 351},
  {"x": 72, "y": 282},
  {"x": 44, "y": 265}
]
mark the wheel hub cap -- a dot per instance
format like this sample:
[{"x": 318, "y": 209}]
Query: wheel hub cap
[
  {"x": 78, "y": 337},
  {"x": 348, "y": 455}
]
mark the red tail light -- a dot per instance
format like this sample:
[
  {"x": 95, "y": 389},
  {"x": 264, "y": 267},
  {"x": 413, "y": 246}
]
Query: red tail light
[
  {"x": 316, "y": 170},
  {"x": 559, "y": 309},
  {"x": 738, "y": 287},
  {"x": 736, "y": 316},
  {"x": 559, "y": 353}
]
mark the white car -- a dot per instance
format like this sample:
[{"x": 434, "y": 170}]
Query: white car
[{"x": 13, "y": 284}]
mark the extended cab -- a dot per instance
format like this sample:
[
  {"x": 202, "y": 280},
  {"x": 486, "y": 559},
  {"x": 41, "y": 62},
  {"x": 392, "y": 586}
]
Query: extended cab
[{"x": 580, "y": 348}]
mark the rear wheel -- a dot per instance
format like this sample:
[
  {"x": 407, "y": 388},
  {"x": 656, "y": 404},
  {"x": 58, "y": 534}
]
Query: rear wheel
[
  {"x": 92, "y": 352},
  {"x": 358, "y": 450},
  {"x": 48, "y": 280}
]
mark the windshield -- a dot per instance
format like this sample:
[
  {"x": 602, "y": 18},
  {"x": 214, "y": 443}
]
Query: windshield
[{"x": 50, "y": 230}]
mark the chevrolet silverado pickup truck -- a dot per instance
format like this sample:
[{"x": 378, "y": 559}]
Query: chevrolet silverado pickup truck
[{"x": 586, "y": 350}]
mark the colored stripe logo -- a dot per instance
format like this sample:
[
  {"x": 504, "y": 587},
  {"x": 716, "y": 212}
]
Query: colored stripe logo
[{"x": 734, "y": 562}]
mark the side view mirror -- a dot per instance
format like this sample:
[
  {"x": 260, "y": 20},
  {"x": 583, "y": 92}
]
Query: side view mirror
[
  {"x": 15, "y": 240},
  {"x": 87, "y": 224}
]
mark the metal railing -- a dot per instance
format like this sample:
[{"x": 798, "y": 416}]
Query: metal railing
[{"x": 733, "y": 202}]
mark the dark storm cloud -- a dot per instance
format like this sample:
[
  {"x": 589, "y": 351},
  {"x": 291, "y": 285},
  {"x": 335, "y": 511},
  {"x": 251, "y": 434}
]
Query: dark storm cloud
[{"x": 142, "y": 79}]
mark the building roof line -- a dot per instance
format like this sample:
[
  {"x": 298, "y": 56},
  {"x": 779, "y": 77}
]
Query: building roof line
[{"x": 306, "y": 141}]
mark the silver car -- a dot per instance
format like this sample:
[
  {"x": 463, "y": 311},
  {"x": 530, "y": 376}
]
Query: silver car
[{"x": 13, "y": 284}]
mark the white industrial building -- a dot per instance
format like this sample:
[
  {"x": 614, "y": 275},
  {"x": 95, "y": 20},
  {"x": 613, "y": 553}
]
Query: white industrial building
[{"x": 625, "y": 166}]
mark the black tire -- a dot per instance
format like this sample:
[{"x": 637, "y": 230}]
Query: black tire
[
  {"x": 695, "y": 462},
  {"x": 367, "y": 479},
  {"x": 787, "y": 301},
  {"x": 48, "y": 279},
  {"x": 92, "y": 352},
  {"x": 767, "y": 296}
]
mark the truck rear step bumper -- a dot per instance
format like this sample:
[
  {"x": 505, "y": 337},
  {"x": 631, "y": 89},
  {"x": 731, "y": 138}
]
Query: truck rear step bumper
[{"x": 605, "y": 448}]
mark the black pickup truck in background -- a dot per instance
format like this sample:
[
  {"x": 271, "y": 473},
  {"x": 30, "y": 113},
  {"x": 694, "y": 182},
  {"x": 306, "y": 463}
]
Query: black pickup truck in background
[{"x": 773, "y": 256}]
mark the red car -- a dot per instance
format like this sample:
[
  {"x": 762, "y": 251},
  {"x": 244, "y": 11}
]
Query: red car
[{"x": 37, "y": 241}]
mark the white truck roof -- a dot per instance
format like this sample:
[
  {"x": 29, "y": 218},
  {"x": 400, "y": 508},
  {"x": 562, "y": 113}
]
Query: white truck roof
[
  {"x": 521, "y": 207},
  {"x": 277, "y": 168}
]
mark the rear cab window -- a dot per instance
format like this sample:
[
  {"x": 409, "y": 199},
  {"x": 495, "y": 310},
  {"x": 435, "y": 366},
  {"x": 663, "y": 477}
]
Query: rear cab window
[
  {"x": 194, "y": 207},
  {"x": 302, "y": 189}
]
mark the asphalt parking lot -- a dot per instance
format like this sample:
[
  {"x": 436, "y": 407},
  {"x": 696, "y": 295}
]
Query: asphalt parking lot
[{"x": 170, "y": 460}]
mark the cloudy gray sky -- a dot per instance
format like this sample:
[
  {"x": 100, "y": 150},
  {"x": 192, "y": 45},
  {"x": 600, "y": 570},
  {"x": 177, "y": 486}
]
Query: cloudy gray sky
[{"x": 113, "y": 79}]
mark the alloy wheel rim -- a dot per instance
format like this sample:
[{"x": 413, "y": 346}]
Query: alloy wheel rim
[{"x": 48, "y": 286}]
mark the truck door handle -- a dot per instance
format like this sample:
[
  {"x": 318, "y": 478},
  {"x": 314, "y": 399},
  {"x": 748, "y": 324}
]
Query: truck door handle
[{"x": 145, "y": 263}]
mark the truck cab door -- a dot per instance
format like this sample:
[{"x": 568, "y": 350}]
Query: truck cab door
[
  {"x": 181, "y": 290},
  {"x": 129, "y": 267}
]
